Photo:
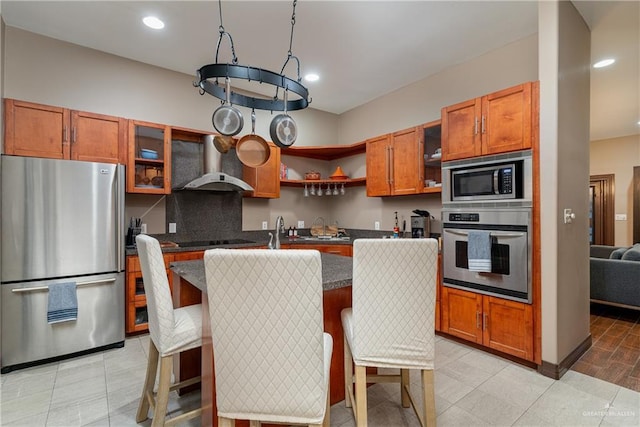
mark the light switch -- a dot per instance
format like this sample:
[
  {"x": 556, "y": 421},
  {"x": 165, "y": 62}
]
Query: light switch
[
  {"x": 569, "y": 216},
  {"x": 172, "y": 227},
  {"x": 300, "y": 224}
]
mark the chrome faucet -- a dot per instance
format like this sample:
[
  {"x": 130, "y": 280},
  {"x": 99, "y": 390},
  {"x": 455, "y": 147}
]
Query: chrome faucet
[{"x": 279, "y": 229}]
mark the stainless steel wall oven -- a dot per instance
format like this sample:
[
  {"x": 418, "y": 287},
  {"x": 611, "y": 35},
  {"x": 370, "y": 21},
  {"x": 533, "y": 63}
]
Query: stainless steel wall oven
[{"x": 510, "y": 241}]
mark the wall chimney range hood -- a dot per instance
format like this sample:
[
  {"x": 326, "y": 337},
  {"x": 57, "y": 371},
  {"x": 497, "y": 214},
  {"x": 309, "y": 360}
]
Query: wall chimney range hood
[{"x": 213, "y": 179}]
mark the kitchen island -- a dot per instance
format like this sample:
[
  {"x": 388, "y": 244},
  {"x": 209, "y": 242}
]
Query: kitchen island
[{"x": 190, "y": 287}]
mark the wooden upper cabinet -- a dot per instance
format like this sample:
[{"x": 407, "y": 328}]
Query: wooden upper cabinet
[
  {"x": 144, "y": 174},
  {"x": 378, "y": 173},
  {"x": 507, "y": 120},
  {"x": 264, "y": 179},
  {"x": 407, "y": 161},
  {"x": 98, "y": 138},
  {"x": 395, "y": 163},
  {"x": 460, "y": 130},
  {"x": 38, "y": 130},
  {"x": 496, "y": 123}
]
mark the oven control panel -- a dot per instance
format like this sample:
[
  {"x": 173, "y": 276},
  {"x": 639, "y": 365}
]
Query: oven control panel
[{"x": 464, "y": 217}]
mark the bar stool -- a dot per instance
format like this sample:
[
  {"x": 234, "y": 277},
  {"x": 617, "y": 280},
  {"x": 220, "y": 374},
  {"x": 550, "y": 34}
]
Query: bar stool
[
  {"x": 172, "y": 331},
  {"x": 392, "y": 320},
  {"x": 271, "y": 356}
]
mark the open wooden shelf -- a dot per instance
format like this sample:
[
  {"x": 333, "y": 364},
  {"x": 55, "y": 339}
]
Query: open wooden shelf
[
  {"x": 302, "y": 182},
  {"x": 326, "y": 152}
]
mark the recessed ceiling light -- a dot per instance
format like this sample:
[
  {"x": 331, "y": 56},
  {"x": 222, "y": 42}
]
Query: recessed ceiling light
[
  {"x": 604, "y": 63},
  {"x": 311, "y": 77},
  {"x": 153, "y": 22}
]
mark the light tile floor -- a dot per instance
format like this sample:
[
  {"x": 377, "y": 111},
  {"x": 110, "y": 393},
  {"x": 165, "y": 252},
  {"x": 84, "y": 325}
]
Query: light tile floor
[{"x": 473, "y": 388}]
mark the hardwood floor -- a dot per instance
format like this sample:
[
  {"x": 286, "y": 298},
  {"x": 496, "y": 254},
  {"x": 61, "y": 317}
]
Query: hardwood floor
[{"x": 615, "y": 353}]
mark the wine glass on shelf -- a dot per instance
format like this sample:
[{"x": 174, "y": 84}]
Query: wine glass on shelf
[
  {"x": 319, "y": 190},
  {"x": 328, "y": 192},
  {"x": 342, "y": 189},
  {"x": 306, "y": 190},
  {"x": 335, "y": 190},
  {"x": 313, "y": 190}
]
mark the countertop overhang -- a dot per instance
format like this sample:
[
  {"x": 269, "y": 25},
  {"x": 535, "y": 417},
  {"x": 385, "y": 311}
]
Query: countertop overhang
[{"x": 337, "y": 271}]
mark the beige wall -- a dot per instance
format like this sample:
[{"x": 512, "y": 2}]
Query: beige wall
[
  {"x": 134, "y": 90},
  {"x": 412, "y": 105},
  {"x": 421, "y": 102},
  {"x": 564, "y": 159},
  {"x": 618, "y": 156},
  {"x": 89, "y": 80}
]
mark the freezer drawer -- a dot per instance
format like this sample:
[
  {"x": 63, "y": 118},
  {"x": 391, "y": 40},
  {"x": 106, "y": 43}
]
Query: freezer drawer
[{"x": 26, "y": 335}]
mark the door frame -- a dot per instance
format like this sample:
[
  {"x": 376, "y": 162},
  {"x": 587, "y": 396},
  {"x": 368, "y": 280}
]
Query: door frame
[{"x": 607, "y": 183}]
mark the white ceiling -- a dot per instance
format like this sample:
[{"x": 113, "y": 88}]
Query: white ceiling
[{"x": 361, "y": 49}]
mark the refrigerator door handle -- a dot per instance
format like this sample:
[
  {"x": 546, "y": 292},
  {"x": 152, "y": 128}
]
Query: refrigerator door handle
[
  {"x": 120, "y": 250},
  {"x": 78, "y": 284}
]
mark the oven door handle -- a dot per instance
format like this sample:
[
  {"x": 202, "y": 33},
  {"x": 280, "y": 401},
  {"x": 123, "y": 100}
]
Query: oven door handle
[{"x": 493, "y": 234}]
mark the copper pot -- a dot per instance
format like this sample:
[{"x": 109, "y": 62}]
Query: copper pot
[{"x": 252, "y": 150}]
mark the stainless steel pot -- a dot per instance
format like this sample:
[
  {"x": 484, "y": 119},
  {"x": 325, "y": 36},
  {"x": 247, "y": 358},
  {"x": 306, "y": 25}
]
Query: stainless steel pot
[{"x": 227, "y": 119}]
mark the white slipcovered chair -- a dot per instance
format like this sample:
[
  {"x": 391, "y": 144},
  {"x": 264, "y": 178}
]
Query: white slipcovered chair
[
  {"x": 271, "y": 356},
  {"x": 392, "y": 320},
  {"x": 171, "y": 331}
]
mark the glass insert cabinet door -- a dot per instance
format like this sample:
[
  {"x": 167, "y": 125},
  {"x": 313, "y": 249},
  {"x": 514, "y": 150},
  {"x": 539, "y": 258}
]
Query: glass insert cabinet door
[{"x": 149, "y": 168}]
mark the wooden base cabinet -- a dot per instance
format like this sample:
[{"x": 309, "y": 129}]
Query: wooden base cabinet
[
  {"x": 37, "y": 130},
  {"x": 496, "y": 123},
  {"x": 344, "y": 250},
  {"x": 500, "y": 324},
  {"x": 136, "y": 317}
]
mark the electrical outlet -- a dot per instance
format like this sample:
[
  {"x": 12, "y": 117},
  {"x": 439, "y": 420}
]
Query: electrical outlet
[
  {"x": 300, "y": 224},
  {"x": 172, "y": 227},
  {"x": 265, "y": 225},
  {"x": 376, "y": 225},
  {"x": 619, "y": 217},
  {"x": 143, "y": 228}
]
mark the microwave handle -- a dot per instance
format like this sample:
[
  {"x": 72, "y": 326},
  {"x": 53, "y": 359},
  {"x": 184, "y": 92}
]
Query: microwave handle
[
  {"x": 496, "y": 174},
  {"x": 493, "y": 234}
]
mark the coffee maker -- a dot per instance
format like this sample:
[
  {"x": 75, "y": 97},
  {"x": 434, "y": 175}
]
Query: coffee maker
[{"x": 420, "y": 224}]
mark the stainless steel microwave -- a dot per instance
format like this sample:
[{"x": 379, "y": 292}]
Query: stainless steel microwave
[{"x": 487, "y": 180}]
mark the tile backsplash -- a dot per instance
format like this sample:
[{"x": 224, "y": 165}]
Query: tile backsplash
[{"x": 202, "y": 215}]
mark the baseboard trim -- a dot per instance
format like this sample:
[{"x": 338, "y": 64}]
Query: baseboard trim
[{"x": 556, "y": 372}]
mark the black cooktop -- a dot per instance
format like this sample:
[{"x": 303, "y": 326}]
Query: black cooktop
[{"x": 213, "y": 243}]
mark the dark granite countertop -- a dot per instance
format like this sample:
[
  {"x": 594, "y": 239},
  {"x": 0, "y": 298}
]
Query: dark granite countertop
[
  {"x": 255, "y": 238},
  {"x": 336, "y": 271}
]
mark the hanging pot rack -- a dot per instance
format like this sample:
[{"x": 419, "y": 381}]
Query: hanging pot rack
[{"x": 208, "y": 75}]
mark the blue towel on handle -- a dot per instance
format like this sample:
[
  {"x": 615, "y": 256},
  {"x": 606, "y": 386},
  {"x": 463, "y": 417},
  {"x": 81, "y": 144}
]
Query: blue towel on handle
[
  {"x": 479, "y": 251},
  {"x": 63, "y": 303}
]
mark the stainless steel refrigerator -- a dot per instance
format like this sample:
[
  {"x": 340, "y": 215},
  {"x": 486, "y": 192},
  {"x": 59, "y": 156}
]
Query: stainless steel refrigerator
[{"x": 62, "y": 221}]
